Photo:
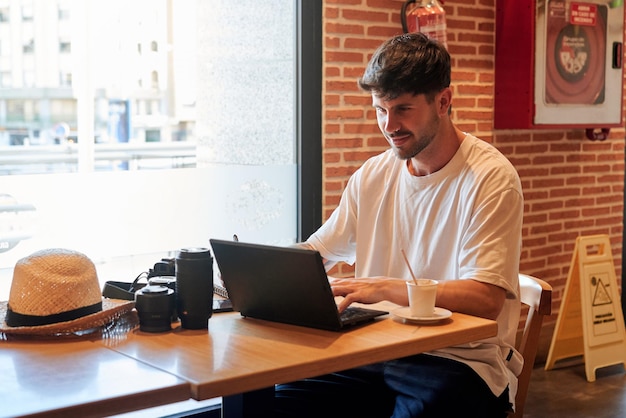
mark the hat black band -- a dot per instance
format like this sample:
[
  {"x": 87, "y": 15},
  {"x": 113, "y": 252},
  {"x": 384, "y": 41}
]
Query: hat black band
[{"x": 15, "y": 319}]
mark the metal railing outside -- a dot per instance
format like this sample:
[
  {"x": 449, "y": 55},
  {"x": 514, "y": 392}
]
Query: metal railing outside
[{"x": 127, "y": 156}]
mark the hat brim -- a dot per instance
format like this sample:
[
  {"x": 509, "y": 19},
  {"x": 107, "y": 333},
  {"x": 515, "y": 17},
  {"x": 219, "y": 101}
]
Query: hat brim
[{"x": 111, "y": 309}]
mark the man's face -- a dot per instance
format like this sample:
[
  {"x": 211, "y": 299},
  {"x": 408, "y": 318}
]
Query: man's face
[{"x": 409, "y": 122}]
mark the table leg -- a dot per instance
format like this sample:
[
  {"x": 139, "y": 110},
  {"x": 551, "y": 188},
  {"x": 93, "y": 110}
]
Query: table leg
[{"x": 253, "y": 404}]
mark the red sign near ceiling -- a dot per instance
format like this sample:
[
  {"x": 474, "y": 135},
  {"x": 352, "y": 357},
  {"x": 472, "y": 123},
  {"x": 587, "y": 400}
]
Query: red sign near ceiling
[{"x": 584, "y": 14}]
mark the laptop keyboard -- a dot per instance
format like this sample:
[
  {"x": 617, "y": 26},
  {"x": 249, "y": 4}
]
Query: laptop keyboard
[{"x": 353, "y": 314}]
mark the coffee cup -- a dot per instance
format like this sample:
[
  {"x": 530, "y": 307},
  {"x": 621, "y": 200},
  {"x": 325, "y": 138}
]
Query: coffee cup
[{"x": 422, "y": 295}]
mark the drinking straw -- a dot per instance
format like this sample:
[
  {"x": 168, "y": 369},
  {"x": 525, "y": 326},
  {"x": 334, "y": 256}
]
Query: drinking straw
[{"x": 409, "y": 266}]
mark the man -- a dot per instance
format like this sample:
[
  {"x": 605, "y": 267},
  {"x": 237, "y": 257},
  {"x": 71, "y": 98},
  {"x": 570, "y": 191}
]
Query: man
[{"x": 454, "y": 204}]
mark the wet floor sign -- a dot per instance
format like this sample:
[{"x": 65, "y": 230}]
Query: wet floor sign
[{"x": 590, "y": 321}]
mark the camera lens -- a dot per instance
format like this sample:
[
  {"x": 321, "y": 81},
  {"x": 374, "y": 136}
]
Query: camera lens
[
  {"x": 169, "y": 282},
  {"x": 194, "y": 287},
  {"x": 155, "y": 305}
]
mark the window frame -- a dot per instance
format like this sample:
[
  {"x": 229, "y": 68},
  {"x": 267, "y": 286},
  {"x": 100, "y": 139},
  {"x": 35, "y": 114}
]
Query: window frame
[{"x": 309, "y": 117}]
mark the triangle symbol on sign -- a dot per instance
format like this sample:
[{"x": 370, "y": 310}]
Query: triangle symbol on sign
[{"x": 601, "y": 297}]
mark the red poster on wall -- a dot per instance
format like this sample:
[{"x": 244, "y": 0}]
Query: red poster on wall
[{"x": 575, "y": 53}]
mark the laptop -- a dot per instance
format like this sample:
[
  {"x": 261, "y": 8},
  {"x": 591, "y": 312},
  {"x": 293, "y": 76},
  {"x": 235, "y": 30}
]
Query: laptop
[{"x": 283, "y": 284}]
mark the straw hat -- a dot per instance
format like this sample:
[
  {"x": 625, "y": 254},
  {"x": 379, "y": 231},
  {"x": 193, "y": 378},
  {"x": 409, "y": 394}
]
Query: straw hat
[{"x": 56, "y": 291}]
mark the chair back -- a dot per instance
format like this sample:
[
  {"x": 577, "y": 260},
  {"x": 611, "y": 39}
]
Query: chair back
[{"x": 537, "y": 295}]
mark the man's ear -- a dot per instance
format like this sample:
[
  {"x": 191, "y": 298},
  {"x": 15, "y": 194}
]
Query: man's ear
[{"x": 444, "y": 101}]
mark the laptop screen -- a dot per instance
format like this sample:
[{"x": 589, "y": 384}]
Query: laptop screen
[{"x": 282, "y": 284}]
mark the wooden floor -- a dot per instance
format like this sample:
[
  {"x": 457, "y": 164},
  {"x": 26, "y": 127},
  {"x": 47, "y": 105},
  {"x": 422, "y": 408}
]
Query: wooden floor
[{"x": 565, "y": 392}]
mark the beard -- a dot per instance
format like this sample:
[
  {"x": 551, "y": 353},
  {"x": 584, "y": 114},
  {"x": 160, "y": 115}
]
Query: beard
[
  {"x": 415, "y": 148},
  {"x": 418, "y": 142}
]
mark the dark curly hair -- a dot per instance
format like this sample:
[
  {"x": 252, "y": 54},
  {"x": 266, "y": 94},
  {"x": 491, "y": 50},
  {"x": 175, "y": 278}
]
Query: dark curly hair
[{"x": 407, "y": 63}]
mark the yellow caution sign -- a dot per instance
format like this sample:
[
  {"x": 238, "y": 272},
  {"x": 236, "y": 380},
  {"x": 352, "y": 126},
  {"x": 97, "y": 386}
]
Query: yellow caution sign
[{"x": 590, "y": 321}]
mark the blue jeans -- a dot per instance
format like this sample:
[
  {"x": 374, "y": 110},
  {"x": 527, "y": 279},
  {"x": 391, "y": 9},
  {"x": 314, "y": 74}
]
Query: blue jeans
[{"x": 421, "y": 386}]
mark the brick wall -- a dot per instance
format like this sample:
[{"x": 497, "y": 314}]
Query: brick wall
[{"x": 572, "y": 186}]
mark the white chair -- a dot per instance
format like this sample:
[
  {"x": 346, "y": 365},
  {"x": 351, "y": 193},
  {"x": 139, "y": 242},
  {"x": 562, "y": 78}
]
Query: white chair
[{"x": 537, "y": 295}]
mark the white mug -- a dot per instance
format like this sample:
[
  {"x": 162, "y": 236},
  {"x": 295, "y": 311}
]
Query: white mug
[{"x": 422, "y": 295}]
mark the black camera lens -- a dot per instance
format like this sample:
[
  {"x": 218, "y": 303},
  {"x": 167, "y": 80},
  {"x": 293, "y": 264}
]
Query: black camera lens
[
  {"x": 169, "y": 282},
  {"x": 194, "y": 287},
  {"x": 155, "y": 305}
]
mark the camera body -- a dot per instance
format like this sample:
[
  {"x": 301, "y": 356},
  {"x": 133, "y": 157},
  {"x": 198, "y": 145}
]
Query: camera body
[
  {"x": 165, "y": 267},
  {"x": 156, "y": 302}
]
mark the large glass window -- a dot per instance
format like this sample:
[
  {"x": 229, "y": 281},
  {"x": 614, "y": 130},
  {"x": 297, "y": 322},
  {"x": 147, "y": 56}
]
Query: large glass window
[{"x": 213, "y": 130}]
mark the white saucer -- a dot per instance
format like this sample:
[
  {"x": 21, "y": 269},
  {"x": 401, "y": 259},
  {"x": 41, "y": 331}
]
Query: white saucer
[{"x": 405, "y": 313}]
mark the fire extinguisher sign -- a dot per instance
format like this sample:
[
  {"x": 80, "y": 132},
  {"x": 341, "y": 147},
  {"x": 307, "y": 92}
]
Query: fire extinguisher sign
[{"x": 584, "y": 14}]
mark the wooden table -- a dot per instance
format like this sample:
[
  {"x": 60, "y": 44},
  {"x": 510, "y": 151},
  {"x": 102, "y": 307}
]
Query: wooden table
[
  {"x": 76, "y": 377},
  {"x": 242, "y": 355},
  {"x": 238, "y": 359}
]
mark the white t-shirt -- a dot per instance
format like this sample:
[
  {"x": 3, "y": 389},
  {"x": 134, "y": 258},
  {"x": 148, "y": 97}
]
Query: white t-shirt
[{"x": 463, "y": 221}]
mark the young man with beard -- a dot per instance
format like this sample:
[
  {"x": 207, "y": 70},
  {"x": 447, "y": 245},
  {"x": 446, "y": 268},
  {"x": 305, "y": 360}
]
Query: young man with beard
[{"x": 454, "y": 204}]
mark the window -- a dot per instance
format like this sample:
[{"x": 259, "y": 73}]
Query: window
[
  {"x": 155, "y": 80},
  {"x": 15, "y": 110},
  {"x": 153, "y": 136},
  {"x": 28, "y": 78},
  {"x": 63, "y": 11},
  {"x": 229, "y": 143},
  {"x": 30, "y": 111},
  {"x": 61, "y": 110},
  {"x": 65, "y": 46},
  {"x": 4, "y": 14},
  {"x": 65, "y": 79},
  {"x": 29, "y": 47},
  {"x": 5, "y": 79},
  {"x": 27, "y": 12}
]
